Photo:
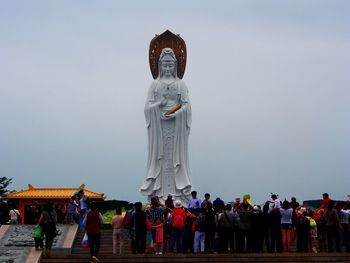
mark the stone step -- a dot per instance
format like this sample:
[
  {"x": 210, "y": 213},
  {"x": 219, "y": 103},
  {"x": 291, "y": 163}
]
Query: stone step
[{"x": 246, "y": 258}]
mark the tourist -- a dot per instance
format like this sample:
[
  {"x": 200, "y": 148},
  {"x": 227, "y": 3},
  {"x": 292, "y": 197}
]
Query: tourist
[
  {"x": 38, "y": 237},
  {"x": 218, "y": 204},
  {"x": 33, "y": 215},
  {"x": 275, "y": 226},
  {"x": 167, "y": 229},
  {"x": 227, "y": 227},
  {"x": 243, "y": 231},
  {"x": 206, "y": 200},
  {"x": 169, "y": 203},
  {"x": 129, "y": 227},
  {"x": 257, "y": 229},
  {"x": 303, "y": 230},
  {"x": 313, "y": 232},
  {"x": 216, "y": 244},
  {"x": 179, "y": 216},
  {"x": 149, "y": 238},
  {"x": 82, "y": 207},
  {"x": 266, "y": 226},
  {"x": 198, "y": 228},
  {"x": 276, "y": 203},
  {"x": 4, "y": 212},
  {"x": 15, "y": 216},
  {"x": 48, "y": 220},
  {"x": 325, "y": 200},
  {"x": 188, "y": 239},
  {"x": 156, "y": 212},
  {"x": 72, "y": 210},
  {"x": 286, "y": 225},
  {"x": 344, "y": 222},
  {"x": 118, "y": 231},
  {"x": 236, "y": 204},
  {"x": 332, "y": 226},
  {"x": 139, "y": 222},
  {"x": 321, "y": 229},
  {"x": 159, "y": 236},
  {"x": 194, "y": 202},
  {"x": 93, "y": 221},
  {"x": 294, "y": 204},
  {"x": 210, "y": 227}
]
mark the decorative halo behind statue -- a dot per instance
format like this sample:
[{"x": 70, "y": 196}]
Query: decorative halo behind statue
[{"x": 167, "y": 40}]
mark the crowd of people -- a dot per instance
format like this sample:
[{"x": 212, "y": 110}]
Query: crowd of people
[
  {"x": 238, "y": 227},
  {"x": 202, "y": 226},
  {"x": 50, "y": 215}
]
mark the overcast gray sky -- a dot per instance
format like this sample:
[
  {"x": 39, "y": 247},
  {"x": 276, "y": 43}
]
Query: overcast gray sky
[{"x": 268, "y": 82}]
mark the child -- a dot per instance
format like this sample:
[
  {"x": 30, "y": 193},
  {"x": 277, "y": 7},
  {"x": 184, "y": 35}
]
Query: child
[
  {"x": 159, "y": 236},
  {"x": 38, "y": 237},
  {"x": 198, "y": 228}
]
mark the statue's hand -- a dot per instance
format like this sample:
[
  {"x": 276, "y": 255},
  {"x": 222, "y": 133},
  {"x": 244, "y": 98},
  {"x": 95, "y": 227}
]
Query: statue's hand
[
  {"x": 163, "y": 102},
  {"x": 169, "y": 116}
]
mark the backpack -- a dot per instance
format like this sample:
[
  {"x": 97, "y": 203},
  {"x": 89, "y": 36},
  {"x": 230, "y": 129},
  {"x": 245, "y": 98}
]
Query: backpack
[
  {"x": 127, "y": 221},
  {"x": 167, "y": 223},
  {"x": 200, "y": 223},
  {"x": 178, "y": 218}
]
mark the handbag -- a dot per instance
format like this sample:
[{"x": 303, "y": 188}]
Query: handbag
[
  {"x": 55, "y": 231},
  {"x": 85, "y": 241}
]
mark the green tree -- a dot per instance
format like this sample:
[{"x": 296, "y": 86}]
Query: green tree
[{"x": 4, "y": 183}]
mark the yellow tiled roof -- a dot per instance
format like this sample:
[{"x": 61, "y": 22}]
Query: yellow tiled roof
[{"x": 52, "y": 193}]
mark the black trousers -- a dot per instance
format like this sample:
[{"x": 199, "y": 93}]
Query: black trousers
[
  {"x": 227, "y": 237},
  {"x": 276, "y": 240},
  {"x": 244, "y": 240},
  {"x": 94, "y": 243},
  {"x": 38, "y": 242},
  {"x": 140, "y": 242},
  {"x": 303, "y": 236},
  {"x": 346, "y": 236},
  {"x": 333, "y": 234}
]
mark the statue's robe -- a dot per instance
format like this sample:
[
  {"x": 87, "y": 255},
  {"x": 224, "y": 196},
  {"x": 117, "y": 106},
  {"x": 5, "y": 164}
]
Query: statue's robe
[{"x": 175, "y": 179}]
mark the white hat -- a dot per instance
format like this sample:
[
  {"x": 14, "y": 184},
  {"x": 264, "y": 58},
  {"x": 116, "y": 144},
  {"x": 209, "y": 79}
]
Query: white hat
[{"x": 178, "y": 204}]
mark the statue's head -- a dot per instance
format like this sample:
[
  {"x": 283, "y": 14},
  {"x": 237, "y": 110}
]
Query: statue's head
[{"x": 167, "y": 63}]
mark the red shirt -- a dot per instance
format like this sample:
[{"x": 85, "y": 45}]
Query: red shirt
[{"x": 93, "y": 222}]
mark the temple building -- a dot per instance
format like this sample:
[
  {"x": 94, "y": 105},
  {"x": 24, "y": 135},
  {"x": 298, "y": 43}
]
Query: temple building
[{"x": 33, "y": 197}]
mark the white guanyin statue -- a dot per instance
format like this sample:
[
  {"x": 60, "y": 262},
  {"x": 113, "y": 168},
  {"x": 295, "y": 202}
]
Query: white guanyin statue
[{"x": 168, "y": 120}]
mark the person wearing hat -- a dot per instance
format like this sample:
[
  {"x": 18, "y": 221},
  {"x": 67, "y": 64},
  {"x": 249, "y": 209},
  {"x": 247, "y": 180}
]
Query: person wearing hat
[
  {"x": 303, "y": 231},
  {"x": 257, "y": 229},
  {"x": 243, "y": 231},
  {"x": 227, "y": 221},
  {"x": 275, "y": 228},
  {"x": 179, "y": 216}
]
